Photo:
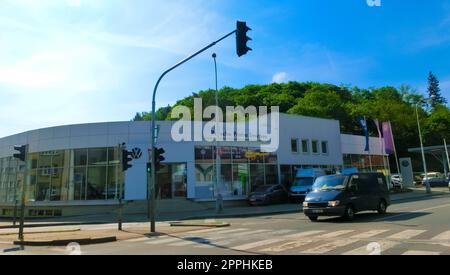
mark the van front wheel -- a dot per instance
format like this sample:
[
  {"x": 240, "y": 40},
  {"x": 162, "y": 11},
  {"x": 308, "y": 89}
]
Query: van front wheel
[
  {"x": 349, "y": 213},
  {"x": 382, "y": 207}
]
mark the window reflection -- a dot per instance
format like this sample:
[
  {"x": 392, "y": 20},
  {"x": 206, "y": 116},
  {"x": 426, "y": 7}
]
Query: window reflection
[{"x": 64, "y": 175}]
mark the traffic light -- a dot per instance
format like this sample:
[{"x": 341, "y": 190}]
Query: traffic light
[
  {"x": 242, "y": 38},
  {"x": 159, "y": 157},
  {"x": 149, "y": 167},
  {"x": 126, "y": 159},
  {"x": 21, "y": 155}
]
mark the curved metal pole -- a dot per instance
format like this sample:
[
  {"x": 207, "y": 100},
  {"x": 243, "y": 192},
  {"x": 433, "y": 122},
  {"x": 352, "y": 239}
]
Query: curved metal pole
[
  {"x": 427, "y": 182},
  {"x": 152, "y": 200}
]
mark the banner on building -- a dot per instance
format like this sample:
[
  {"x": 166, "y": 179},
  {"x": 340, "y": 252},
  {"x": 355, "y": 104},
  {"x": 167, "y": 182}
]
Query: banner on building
[
  {"x": 363, "y": 123},
  {"x": 388, "y": 138}
]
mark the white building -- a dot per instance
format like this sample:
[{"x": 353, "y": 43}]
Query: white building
[{"x": 78, "y": 166}]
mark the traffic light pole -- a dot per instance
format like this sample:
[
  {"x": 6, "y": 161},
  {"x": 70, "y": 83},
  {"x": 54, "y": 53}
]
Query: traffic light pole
[
  {"x": 23, "y": 198},
  {"x": 152, "y": 201},
  {"x": 120, "y": 210}
]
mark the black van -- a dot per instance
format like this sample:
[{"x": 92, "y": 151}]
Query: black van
[{"x": 345, "y": 195}]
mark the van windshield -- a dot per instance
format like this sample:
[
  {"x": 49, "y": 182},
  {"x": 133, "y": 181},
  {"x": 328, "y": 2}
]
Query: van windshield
[
  {"x": 336, "y": 182},
  {"x": 303, "y": 182}
]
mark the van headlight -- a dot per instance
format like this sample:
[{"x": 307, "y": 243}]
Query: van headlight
[
  {"x": 333, "y": 203},
  {"x": 305, "y": 204}
]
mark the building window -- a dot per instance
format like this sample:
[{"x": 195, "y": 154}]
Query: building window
[
  {"x": 315, "y": 147},
  {"x": 294, "y": 145},
  {"x": 325, "y": 147},
  {"x": 305, "y": 146}
]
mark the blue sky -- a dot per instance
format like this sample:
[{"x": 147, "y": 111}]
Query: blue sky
[{"x": 77, "y": 61}]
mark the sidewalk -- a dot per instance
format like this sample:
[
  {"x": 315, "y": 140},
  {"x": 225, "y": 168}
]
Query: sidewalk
[
  {"x": 104, "y": 227},
  {"x": 86, "y": 235}
]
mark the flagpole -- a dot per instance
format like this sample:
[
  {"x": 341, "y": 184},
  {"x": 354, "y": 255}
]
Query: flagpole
[
  {"x": 395, "y": 149},
  {"x": 370, "y": 156},
  {"x": 383, "y": 151}
]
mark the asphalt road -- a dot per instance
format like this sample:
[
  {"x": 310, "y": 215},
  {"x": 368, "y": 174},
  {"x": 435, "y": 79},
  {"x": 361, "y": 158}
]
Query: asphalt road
[{"x": 410, "y": 227}]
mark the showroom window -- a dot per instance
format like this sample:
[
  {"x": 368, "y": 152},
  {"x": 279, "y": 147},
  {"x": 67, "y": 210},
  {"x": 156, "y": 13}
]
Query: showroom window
[
  {"x": 242, "y": 169},
  {"x": 294, "y": 145},
  {"x": 305, "y": 146},
  {"x": 315, "y": 147},
  {"x": 65, "y": 175},
  {"x": 325, "y": 147}
]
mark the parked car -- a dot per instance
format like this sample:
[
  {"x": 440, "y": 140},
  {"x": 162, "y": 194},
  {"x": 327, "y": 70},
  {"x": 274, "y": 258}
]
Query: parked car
[
  {"x": 397, "y": 181},
  {"x": 268, "y": 194},
  {"x": 435, "y": 179},
  {"x": 346, "y": 195},
  {"x": 303, "y": 183}
]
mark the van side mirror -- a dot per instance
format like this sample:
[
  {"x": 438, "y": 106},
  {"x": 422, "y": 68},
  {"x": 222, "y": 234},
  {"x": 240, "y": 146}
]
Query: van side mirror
[{"x": 352, "y": 188}]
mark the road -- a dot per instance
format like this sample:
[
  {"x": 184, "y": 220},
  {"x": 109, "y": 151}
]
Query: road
[{"x": 410, "y": 227}]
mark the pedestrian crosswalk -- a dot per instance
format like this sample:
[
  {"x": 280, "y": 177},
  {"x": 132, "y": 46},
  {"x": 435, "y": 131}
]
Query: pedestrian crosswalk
[{"x": 314, "y": 242}]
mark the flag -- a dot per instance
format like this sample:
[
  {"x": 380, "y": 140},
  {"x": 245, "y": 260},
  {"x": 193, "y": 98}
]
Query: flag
[
  {"x": 363, "y": 123},
  {"x": 388, "y": 138},
  {"x": 380, "y": 137}
]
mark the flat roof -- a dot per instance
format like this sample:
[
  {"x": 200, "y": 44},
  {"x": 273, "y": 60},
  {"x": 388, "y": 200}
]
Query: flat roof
[{"x": 439, "y": 149}]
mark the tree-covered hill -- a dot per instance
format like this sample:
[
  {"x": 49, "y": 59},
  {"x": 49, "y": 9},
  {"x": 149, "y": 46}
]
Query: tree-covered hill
[{"x": 345, "y": 104}]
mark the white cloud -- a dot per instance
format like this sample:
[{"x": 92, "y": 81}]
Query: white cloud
[
  {"x": 279, "y": 77},
  {"x": 73, "y": 3},
  {"x": 74, "y": 61}
]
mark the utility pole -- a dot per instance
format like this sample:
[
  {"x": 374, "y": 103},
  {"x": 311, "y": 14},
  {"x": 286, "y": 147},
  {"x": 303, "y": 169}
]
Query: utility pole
[
  {"x": 218, "y": 195},
  {"x": 242, "y": 49},
  {"x": 448, "y": 158},
  {"x": 426, "y": 180}
]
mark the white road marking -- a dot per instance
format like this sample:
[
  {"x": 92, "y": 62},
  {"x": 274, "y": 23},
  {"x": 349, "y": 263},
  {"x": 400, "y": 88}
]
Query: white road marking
[
  {"x": 303, "y": 241},
  {"x": 302, "y": 234},
  {"x": 256, "y": 244},
  {"x": 384, "y": 245},
  {"x": 369, "y": 234},
  {"x": 221, "y": 233},
  {"x": 287, "y": 246},
  {"x": 229, "y": 237},
  {"x": 442, "y": 237},
  {"x": 209, "y": 230},
  {"x": 335, "y": 234},
  {"x": 227, "y": 242},
  {"x": 325, "y": 248},
  {"x": 137, "y": 240},
  {"x": 163, "y": 240},
  {"x": 406, "y": 235},
  {"x": 424, "y": 253}
]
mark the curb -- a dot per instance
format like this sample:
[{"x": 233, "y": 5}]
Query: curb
[
  {"x": 188, "y": 224},
  {"x": 43, "y": 232},
  {"x": 243, "y": 215},
  {"x": 87, "y": 241}
]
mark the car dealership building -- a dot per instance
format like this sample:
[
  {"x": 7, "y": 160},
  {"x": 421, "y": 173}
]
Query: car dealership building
[{"x": 77, "y": 169}]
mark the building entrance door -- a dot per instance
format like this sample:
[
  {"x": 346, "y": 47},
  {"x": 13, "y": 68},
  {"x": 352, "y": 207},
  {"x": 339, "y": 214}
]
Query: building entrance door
[{"x": 172, "y": 181}]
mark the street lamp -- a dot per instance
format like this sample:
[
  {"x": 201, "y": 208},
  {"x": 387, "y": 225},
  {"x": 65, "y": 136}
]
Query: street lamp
[
  {"x": 427, "y": 182},
  {"x": 219, "y": 202}
]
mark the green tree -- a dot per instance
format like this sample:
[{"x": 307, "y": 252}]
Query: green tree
[
  {"x": 434, "y": 91},
  {"x": 437, "y": 125}
]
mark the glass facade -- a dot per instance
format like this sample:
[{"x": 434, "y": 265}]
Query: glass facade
[
  {"x": 241, "y": 170},
  {"x": 65, "y": 175},
  {"x": 362, "y": 162},
  {"x": 172, "y": 181}
]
